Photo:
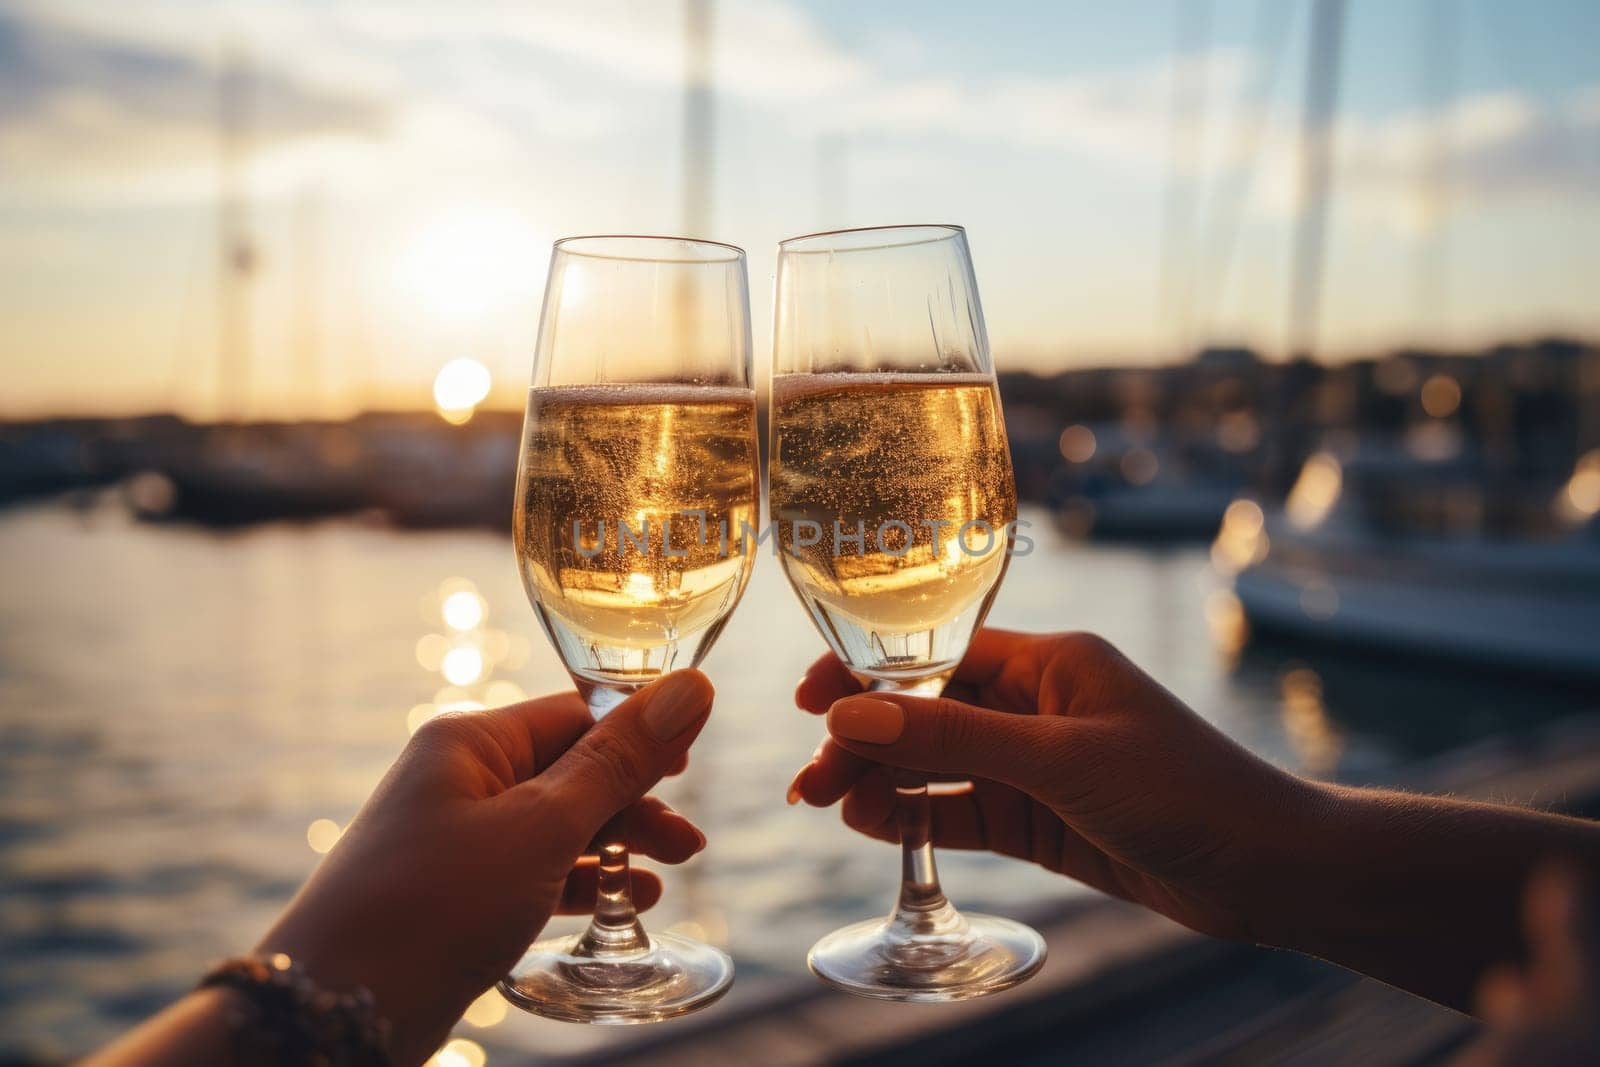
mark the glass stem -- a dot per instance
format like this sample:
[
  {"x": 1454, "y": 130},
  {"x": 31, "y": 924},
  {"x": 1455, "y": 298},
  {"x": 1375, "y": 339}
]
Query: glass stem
[
  {"x": 615, "y": 929},
  {"x": 922, "y": 911}
]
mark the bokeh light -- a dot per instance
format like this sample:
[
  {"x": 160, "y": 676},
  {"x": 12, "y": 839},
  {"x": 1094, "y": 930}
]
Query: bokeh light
[
  {"x": 1242, "y": 539},
  {"x": 1225, "y": 619},
  {"x": 420, "y": 714},
  {"x": 462, "y": 665},
  {"x": 1245, "y": 516},
  {"x": 322, "y": 835},
  {"x": 431, "y": 650},
  {"x": 1315, "y": 491},
  {"x": 488, "y": 1010},
  {"x": 1077, "y": 444},
  {"x": 459, "y": 1052},
  {"x": 1311, "y": 734},
  {"x": 1441, "y": 396},
  {"x": 463, "y": 610},
  {"x": 151, "y": 493},
  {"x": 1581, "y": 495}
]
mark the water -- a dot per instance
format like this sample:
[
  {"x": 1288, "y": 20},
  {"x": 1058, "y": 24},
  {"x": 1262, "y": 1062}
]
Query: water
[{"x": 177, "y": 708}]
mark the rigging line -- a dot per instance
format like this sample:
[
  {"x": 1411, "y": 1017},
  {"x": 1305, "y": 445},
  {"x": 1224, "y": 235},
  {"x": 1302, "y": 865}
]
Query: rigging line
[
  {"x": 1186, "y": 117},
  {"x": 1270, "y": 36}
]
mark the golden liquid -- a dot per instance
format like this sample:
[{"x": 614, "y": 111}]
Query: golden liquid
[
  {"x": 643, "y": 455},
  {"x": 871, "y": 449}
]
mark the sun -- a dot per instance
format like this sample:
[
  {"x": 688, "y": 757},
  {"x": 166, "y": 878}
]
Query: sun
[
  {"x": 470, "y": 262},
  {"x": 459, "y": 387}
]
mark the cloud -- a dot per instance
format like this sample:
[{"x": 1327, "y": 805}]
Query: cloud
[
  {"x": 124, "y": 97},
  {"x": 1411, "y": 172},
  {"x": 1121, "y": 115},
  {"x": 764, "y": 49},
  {"x": 78, "y": 106}
]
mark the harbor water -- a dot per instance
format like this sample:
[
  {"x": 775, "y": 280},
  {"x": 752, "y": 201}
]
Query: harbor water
[{"x": 187, "y": 717}]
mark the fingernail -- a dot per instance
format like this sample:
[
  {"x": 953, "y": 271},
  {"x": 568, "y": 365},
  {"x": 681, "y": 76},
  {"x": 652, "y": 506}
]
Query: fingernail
[
  {"x": 702, "y": 837},
  {"x": 876, "y": 722},
  {"x": 677, "y": 704},
  {"x": 794, "y": 786}
]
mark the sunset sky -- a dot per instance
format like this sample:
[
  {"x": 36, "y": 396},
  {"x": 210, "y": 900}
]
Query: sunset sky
[{"x": 411, "y": 163}]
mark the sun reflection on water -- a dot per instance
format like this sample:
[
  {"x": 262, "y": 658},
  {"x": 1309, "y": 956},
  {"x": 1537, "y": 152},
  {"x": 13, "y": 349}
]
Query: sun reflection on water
[
  {"x": 462, "y": 665},
  {"x": 463, "y": 610},
  {"x": 459, "y": 1052},
  {"x": 1312, "y": 735},
  {"x": 488, "y": 1010},
  {"x": 467, "y": 653},
  {"x": 1241, "y": 539}
]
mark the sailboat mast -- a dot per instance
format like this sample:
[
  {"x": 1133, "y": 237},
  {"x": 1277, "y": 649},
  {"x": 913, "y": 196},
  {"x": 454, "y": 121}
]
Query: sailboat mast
[
  {"x": 236, "y": 251},
  {"x": 1316, "y": 175},
  {"x": 1440, "y": 60},
  {"x": 1186, "y": 120},
  {"x": 308, "y": 384},
  {"x": 697, "y": 119}
]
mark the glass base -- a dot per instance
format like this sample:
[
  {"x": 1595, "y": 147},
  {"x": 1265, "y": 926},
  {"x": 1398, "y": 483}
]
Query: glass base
[
  {"x": 987, "y": 955},
  {"x": 673, "y": 977}
]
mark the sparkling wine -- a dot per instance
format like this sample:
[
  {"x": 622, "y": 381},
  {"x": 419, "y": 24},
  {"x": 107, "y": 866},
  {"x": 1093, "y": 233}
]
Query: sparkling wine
[
  {"x": 893, "y": 496},
  {"x": 630, "y": 504}
]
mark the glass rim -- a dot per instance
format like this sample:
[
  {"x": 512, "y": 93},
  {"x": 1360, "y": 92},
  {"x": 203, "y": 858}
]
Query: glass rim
[
  {"x": 917, "y": 233},
  {"x": 573, "y": 246}
]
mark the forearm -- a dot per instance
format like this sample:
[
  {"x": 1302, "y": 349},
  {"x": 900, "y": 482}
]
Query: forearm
[
  {"x": 222, "y": 1025},
  {"x": 1421, "y": 892},
  {"x": 200, "y": 1028}
]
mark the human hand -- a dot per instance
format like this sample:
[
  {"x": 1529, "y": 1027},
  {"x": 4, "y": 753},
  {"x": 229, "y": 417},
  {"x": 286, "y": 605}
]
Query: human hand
[
  {"x": 473, "y": 840},
  {"x": 1545, "y": 1010},
  {"x": 1081, "y": 763}
]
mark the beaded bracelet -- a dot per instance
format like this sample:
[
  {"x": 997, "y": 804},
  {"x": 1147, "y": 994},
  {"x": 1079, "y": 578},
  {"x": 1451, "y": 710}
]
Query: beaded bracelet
[{"x": 294, "y": 1021}]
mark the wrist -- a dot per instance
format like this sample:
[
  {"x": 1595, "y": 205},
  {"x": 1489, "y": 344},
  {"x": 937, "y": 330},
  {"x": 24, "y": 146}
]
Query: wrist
[
  {"x": 291, "y": 1018},
  {"x": 1292, "y": 874},
  {"x": 1334, "y": 891},
  {"x": 336, "y": 958}
]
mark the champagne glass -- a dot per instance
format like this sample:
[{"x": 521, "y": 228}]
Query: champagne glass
[
  {"x": 638, "y": 473},
  {"x": 892, "y": 490}
]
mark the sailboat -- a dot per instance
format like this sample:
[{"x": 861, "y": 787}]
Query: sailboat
[
  {"x": 1367, "y": 552},
  {"x": 1483, "y": 550}
]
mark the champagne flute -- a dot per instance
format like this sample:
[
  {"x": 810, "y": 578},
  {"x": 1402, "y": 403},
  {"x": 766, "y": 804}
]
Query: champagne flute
[
  {"x": 638, "y": 473},
  {"x": 892, "y": 490}
]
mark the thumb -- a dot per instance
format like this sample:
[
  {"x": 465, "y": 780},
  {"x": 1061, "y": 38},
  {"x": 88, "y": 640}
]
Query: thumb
[
  {"x": 620, "y": 757},
  {"x": 943, "y": 736}
]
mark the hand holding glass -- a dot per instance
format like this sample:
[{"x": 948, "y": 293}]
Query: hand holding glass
[
  {"x": 638, "y": 448},
  {"x": 892, "y": 489}
]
